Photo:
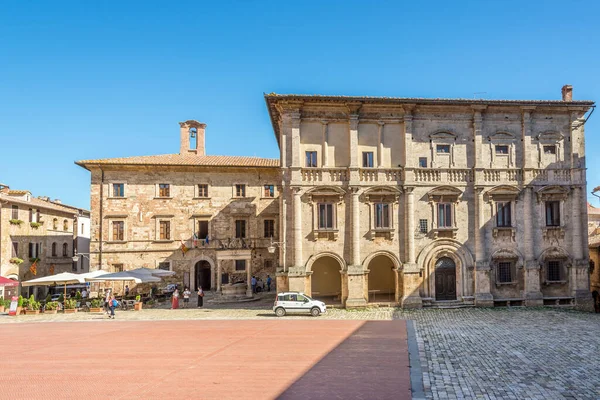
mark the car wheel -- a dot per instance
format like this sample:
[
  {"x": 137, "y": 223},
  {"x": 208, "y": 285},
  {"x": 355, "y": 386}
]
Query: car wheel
[
  {"x": 315, "y": 311},
  {"x": 280, "y": 312}
]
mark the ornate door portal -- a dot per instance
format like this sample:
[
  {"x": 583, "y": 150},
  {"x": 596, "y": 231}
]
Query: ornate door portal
[{"x": 445, "y": 279}]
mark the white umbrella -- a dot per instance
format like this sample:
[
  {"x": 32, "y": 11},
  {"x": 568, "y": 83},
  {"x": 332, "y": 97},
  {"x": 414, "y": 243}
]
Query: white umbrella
[
  {"x": 64, "y": 278},
  {"x": 94, "y": 274},
  {"x": 155, "y": 272},
  {"x": 126, "y": 276}
]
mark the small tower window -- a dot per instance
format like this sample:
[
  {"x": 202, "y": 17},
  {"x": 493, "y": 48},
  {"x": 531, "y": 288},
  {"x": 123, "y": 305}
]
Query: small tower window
[{"x": 193, "y": 138}]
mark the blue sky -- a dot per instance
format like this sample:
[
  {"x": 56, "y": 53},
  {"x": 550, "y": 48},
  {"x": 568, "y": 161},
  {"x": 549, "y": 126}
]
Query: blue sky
[{"x": 85, "y": 79}]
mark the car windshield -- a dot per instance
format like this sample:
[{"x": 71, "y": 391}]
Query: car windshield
[{"x": 308, "y": 298}]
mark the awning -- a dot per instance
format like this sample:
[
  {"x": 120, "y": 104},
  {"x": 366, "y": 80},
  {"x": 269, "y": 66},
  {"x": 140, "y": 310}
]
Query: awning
[{"x": 7, "y": 282}]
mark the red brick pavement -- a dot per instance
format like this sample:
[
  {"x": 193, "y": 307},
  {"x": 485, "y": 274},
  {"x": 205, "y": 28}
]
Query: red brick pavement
[{"x": 233, "y": 359}]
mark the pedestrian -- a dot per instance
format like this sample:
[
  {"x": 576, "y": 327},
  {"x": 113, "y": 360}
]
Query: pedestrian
[
  {"x": 113, "y": 304},
  {"x": 200, "y": 297},
  {"x": 84, "y": 294},
  {"x": 175, "y": 300},
  {"x": 126, "y": 290},
  {"x": 268, "y": 283},
  {"x": 596, "y": 297},
  {"x": 186, "y": 297},
  {"x": 253, "y": 283},
  {"x": 107, "y": 300}
]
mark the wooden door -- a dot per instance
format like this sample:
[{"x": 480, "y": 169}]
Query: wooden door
[{"x": 445, "y": 279}]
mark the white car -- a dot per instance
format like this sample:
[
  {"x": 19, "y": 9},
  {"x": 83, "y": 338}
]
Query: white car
[{"x": 295, "y": 302}]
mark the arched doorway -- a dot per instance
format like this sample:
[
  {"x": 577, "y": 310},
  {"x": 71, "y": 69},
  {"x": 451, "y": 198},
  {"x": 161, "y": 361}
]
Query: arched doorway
[
  {"x": 445, "y": 279},
  {"x": 202, "y": 275},
  {"x": 326, "y": 280},
  {"x": 382, "y": 279}
]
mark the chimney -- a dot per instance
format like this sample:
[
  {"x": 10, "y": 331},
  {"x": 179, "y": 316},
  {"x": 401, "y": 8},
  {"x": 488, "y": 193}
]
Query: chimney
[
  {"x": 192, "y": 138},
  {"x": 567, "y": 93}
]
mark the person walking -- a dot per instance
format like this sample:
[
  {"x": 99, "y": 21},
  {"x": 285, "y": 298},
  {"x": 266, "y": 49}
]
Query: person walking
[
  {"x": 253, "y": 283},
  {"x": 268, "y": 283},
  {"x": 106, "y": 301},
  {"x": 126, "y": 290},
  {"x": 200, "y": 297},
  {"x": 175, "y": 300},
  {"x": 112, "y": 305},
  {"x": 186, "y": 297}
]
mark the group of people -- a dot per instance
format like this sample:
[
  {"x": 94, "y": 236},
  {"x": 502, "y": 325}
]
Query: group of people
[
  {"x": 258, "y": 283},
  {"x": 186, "y": 298}
]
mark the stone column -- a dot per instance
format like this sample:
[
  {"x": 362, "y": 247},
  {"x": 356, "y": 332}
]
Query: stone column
[
  {"x": 411, "y": 272},
  {"x": 249, "y": 276},
  {"x": 325, "y": 145},
  {"x": 483, "y": 296},
  {"x": 409, "y": 160},
  {"x": 380, "y": 144},
  {"x": 298, "y": 262},
  {"x": 533, "y": 294},
  {"x": 355, "y": 228},
  {"x": 527, "y": 137},
  {"x": 354, "y": 141},
  {"x": 295, "y": 128},
  {"x": 218, "y": 275}
]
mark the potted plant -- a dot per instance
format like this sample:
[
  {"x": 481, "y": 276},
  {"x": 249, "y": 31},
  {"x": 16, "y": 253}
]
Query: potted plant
[
  {"x": 138, "y": 303},
  {"x": 16, "y": 261},
  {"x": 51, "y": 307},
  {"x": 25, "y": 304},
  {"x": 70, "y": 305},
  {"x": 33, "y": 307},
  {"x": 96, "y": 306},
  {"x": 19, "y": 305},
  {"x": 35, "y": 225},
  {"x": 15, "y": 222},
  {"x": 78, "y": 296},
  {"x": 3, "y": 305}
]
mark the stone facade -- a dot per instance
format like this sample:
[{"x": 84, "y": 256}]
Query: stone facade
[
  {"x": 37, "y": 228},
  {"x": 405, "y": 201}
]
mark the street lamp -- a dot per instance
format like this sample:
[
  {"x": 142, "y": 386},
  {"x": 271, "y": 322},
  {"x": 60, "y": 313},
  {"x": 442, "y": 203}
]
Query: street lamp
[
  {"x": 272, "y": 245},
  {"x": 84, "y": 255}
]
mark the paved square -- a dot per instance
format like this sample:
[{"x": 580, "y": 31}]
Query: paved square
[{"x": 234, "y": 359}]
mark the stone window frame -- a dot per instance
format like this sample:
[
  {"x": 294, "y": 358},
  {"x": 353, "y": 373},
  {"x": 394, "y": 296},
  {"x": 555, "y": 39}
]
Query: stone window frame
[
  {"x": 197, "y": 191},
  {"x": 503, "y": 194},
  {"x": 14, "y": 248},
  {"x": 444, "y": 195},
  {"x": 424, "y": 164},
  {"x": 263, "y": 191},
  {"x": 157, "y": 220},
  {"x": 328, "y": 195},
  {"x": 111, "y": 192},
  {"x": 235, "y": 265},
  {"x": 365, "y": 159},
  {"x": 552, "y": 193},
  {"x": 195, "y": 219},
  {"x": 55, "y": 224},
  {"x": 157, "y": 190},
  {"x": 246, "y": 219},
  {"x": 549, "y": 138},
  {"x": 65, "y": 249},
  {"x": 506, "y": 255},
  {"x": 423, "y": 223},
  {"x": 116, "y": 218},
  {"x": 65, "y": 225},
  {"x": 382, "y": 195},
  {"x": 53, "y": 250},
  {"x": 317, "y": 152},
  {"x": 234, "y": 190},
  {"x": 555, "y": 254},
  {"x": 442, "y": 137},
  {"x": 158, "y": 262},
  {"x": 503, "y": 138},
  {"x": 15, "y": 211},
  {"x": 118, "y": 267},
  {"x": 274, "y": 228}
]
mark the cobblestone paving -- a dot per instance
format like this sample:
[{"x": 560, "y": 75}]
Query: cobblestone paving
[{"x": 508, "y": 353}]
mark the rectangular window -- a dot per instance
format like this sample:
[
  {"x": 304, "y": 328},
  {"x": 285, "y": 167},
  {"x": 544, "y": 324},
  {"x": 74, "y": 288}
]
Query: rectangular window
[
  {"x": 423, "y": 226},
  {"x": 118, "y": 228},
  {"x": 34, "y": 250},
  {"x": 503, "y": 217},
  {"x": 553, "y": 213},
  {"x": 382, "y": 216},
  {"x": 203, "y": 190},
  {"x": 164, "y": 190},
  {"x": 118, "y": 190},
  {"x": 501, "y": 149},
  {"x": 326, "y": 216},
  {"x": 269, "y": 191},
  {"x": 444, "y": 215},
  {"x": 34, "y": 215},
  {"x": 240, "y": 265},
  {"x": 15, "y": 212},
  {"x": 311, "y": 159},
  {"x": 423, "y": 162},
  {"x": 549, "y": 149},
  {"x": 443, "y": 149},
  {"x": 202, "y": 230},
  {"x": 504, "y": 272},
  {"x": 165, "y": 265},
  {"x": 553, "y": 268},
  {"x": 65, "y": 250},
  {"x": 15, "y": 249},
  {"x": 268, "y": 265},
  {"x": 269, "y": 228},
  {"x": 240, "y": 228},
  {"x": 367, "y": 157},
  {"x": 118, "y": 267},
  {"x": 240, "y": 190},
  {"x": 165, "y": 230}
]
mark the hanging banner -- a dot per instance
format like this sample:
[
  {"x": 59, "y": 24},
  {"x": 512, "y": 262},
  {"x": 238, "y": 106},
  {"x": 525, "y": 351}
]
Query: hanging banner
[{"x": 13, "y": 305}]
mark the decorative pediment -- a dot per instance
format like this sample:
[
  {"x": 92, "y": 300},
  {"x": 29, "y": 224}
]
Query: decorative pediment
[
  {"x": 380, "y": 193},
  {"x": 550, "y": 137},
  {"x": 503, "y": 192},
  {"x": 444, "y": 193},
  {"x": 331, "y": 192},
  {"x": 505, "y": 254},
  {"x": 443, "y": 135},
  {"x": 554, "y": 253},
  {"x": 549, "y": 193},
  {"x": 502, "y": 136}
]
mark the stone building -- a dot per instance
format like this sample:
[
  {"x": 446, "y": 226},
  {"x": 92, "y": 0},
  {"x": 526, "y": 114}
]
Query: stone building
[
  {"x": 37, "y": 229},
  {"x": 594, "y": 245},
  {"x": 396, "y": 200}
]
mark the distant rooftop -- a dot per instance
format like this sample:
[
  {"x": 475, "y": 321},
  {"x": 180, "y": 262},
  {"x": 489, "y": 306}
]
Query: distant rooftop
[{"x": 185, "y": 160}]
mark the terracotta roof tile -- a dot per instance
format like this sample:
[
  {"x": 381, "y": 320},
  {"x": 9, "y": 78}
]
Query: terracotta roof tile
[
  {"x": 34, "y": 202},
  {"x": 187, "y": 159},
  {"x": 17, "y": 192},
  {"x": 592, "y": 210}
]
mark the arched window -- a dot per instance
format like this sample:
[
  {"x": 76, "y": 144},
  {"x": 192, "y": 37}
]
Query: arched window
[
  {"x": 65, "y": 225},
  {"x": 55, "y": 224},
  {"x": 54, "y": 249},
  {"x": 65, "y": 249}
]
